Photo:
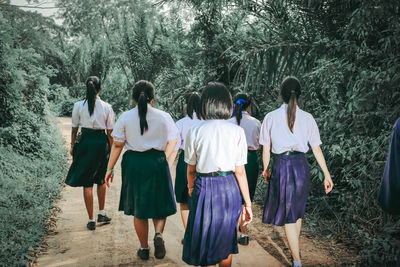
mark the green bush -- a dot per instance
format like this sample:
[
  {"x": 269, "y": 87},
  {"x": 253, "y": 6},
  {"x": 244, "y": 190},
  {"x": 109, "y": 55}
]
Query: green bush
[{"x": 29, "y": 184}]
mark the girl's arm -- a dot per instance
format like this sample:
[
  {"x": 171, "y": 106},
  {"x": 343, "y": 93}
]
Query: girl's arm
[
  {"x": 266, "y": 156},
  {"x": 240, "y": 173},
  {"x": 114, "y": 155},
  {"x": 191, "y": 175},
  {"x": 170, "y": 152},
  {"x": 319, "y": 156},
  {"x": 74, "y": 131},
  {"x": 110, "y": 139}
]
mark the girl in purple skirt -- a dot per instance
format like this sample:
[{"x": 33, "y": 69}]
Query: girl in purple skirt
[
  {"x": 216, "y": 152},
  {"x": 287, "y": 132}
]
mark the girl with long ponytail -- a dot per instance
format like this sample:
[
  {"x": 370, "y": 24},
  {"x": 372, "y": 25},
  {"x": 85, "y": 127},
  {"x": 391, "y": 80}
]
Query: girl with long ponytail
[
  {"x": 149, "y": 136},
  {"x": 192, "y": 118},
  {"x": 251, "y": 127},
  {"x": 288, "y": 132},
  {"x": 92, "y": 88},
  {"x": 91, "y": 149}
]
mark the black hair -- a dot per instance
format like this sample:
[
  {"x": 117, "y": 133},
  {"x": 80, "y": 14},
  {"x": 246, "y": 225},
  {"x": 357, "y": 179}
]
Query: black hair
[
  {"x": 290, "y": 92},
  {"x": 193, "y": 105},
  {"x": 93, "y": 87},
  {"x": 242, "y": 102},
  {"x": 216, "y": 102},
  {"x": 143, "y": 93}
]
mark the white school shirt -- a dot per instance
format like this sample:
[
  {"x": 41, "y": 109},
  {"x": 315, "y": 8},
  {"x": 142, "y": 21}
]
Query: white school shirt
[
  {"x": 215, "y": 145},
  {"x": 102, "y": 118},
  {"x": 275, "y": 131},
  {"x": 161, "y": 130},
  {"x": 251, "y": 127},
  {"x": 183, "y": 126}
]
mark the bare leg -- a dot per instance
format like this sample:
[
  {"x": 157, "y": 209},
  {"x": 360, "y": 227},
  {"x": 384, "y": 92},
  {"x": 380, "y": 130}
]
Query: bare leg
[
  {"x": 293, "y": 239},
  {"x": 227, "y": 262},
  {"x": 101, "y": 196},
  {"x": 184, "y": 213},
  {"x": 298, "y": 228},
  {"x": 142, "y": 231},
  {"x": 159, "y": 225},
  {"x": 88, "y": 197}
]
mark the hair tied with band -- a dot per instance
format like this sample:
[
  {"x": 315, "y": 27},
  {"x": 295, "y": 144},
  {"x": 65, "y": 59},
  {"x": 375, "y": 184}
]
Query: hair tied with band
[{"x": 239, "y": 101}]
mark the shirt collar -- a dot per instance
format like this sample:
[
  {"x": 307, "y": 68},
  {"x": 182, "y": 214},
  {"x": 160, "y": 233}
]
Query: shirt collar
[
  {"x": 284, "y": 106},
  {"x": 194, "y": 115}
]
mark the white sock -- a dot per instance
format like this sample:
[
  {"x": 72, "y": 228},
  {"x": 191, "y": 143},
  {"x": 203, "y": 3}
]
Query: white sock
[
  {"x": 243, "y": 235},
  {"x": 145, "y": 248},
  {"x": 297, "y": 264},
  {"x": 158, "y": 233},
  {"x": 92, "y": 220},
  {"x": 102, "y": 212}
]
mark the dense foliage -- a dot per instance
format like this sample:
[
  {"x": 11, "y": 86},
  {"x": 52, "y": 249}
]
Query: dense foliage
[
  {"x": 32, "y": 158},
  {"x": 344, "y": 52}
]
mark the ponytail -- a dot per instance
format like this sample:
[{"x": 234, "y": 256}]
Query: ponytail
[
  {"x": 291, "y": 110},
  {"x": 143, "y": 93},
  {"x": 142, "y": 107},
  {"x": 243, "y": 101},
  {"x": 290, "y": 92},
  {"x": 92, "y": 88},
  {"x": 237, "y": 110}
]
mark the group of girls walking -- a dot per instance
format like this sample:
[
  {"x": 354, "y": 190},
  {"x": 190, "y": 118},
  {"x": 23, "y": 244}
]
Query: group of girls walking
[{"x": 217, "y": 169}]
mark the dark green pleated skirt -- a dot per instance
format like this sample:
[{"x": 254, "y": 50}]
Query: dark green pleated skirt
[
  {"x": 252, "y": 169},
  {"x": 181, "y": 190},
  {"x": 146, "y": 190},
  {"x": 90, "y": 158}
]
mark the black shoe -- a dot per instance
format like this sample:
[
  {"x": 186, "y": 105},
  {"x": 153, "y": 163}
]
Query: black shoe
[
  {"x": 243, "y": 240},
  {"x": 159, "y": 248},
  {"x": 143, "y": 253},
  {"x": 103, "y": 219},
  {"x": 91, "y": 226}
]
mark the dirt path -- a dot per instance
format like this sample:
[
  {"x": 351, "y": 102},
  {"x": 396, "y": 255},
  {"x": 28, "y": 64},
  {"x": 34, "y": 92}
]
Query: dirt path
[{"x": 116, "y": 244}]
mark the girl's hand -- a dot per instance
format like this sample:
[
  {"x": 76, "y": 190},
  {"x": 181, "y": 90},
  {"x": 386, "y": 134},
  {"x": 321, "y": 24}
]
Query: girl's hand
[
  {"x": 109, "y": 178},
  {"x": 247, "y": 215},
  {"x": 190, "y": 191},
  {"x": 328, "y": 183},
  {"x": 71, "y": 149},
  {"x": 267, "y": 175}
]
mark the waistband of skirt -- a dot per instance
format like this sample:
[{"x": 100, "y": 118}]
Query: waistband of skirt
[
  {"x": 146, "y": 151},
  {"x": 288, "y": 153},
  {"x": 252, "y": 151},
  {"x": 214, "y": 174},
  {"x": 92, "y": 131}
]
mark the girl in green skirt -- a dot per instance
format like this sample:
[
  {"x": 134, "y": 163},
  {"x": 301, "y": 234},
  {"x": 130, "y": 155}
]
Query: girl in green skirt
[
  {"x": 251, "y": 127},
  {"x": 183, "y": 125},
  {"x": 149, "y": 136},
  {"x": 91, "y": 149}
]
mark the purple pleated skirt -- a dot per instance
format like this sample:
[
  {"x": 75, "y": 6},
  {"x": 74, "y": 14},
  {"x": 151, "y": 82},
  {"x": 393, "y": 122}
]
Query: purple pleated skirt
[
  {"x": 287, "y": 192},
  {"x": 211, "y": 234}
]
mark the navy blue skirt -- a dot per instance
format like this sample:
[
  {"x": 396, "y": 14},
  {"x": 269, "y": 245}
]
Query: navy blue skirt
[
  {"x": 288, "y": 189},
  {"x": 146, "y": 190},
  {"x": 90, "y": 158},
  {"x": 211, "y": 234},
  {"x": 181, "y": 190}
]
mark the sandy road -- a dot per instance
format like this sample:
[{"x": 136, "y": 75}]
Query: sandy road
[{"x": 116, "y": 244}]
